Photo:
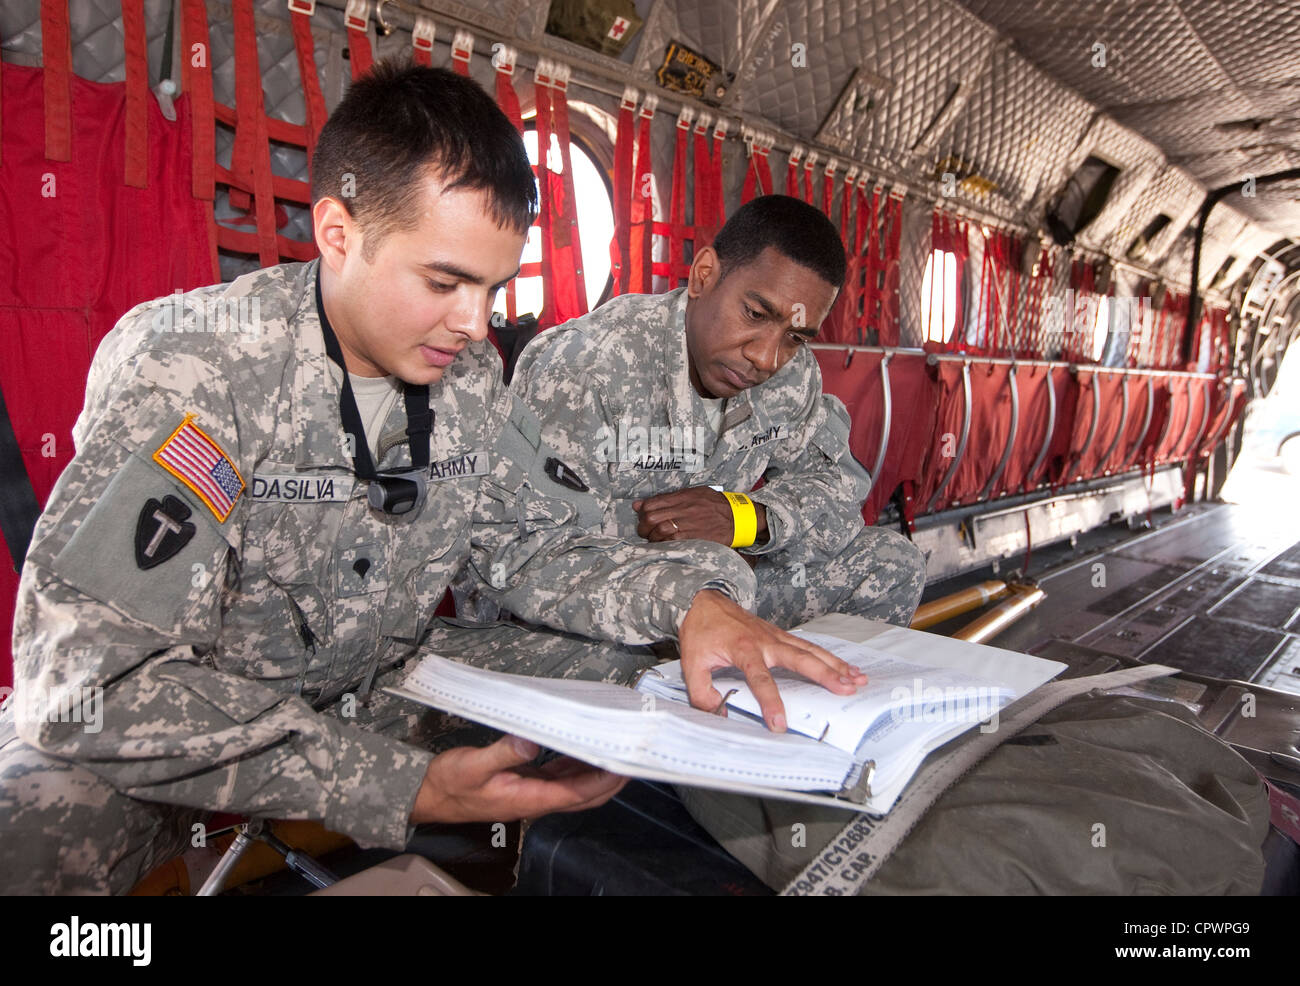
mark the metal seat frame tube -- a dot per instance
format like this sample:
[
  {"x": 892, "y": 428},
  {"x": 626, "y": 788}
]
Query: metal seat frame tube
[
  {"x": 887, "y": 399},
  {"x": 1011, "y": 437},
  {"x": 1047, "y": 437},
  {"x": 1123, "y": 423},
  {"x": 961, "y": 445},
  {"x": 1146, "y": 425}
]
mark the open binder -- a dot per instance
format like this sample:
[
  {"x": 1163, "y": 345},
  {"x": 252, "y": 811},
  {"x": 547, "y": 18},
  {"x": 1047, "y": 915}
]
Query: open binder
[{"x": 856, "y": 753}]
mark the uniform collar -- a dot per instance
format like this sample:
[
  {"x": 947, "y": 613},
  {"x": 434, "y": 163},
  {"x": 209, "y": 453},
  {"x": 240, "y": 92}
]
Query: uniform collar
[{"x": 317, "y": 425}]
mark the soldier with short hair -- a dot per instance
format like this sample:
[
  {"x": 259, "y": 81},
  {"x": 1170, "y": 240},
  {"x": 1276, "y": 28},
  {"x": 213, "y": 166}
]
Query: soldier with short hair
[
  {"x": 264, "y": 511},
  {"x": 674, "y": 407}
]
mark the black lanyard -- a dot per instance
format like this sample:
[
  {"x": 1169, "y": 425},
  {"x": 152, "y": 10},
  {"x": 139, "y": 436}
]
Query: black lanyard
[{"x": 393, "y": 491}]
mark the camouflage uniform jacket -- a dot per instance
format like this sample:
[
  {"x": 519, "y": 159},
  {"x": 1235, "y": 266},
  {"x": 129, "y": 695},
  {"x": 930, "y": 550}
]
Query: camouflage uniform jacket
[
  {"x": 209, "y": 560},
  {"x": 613, "y": 393}
]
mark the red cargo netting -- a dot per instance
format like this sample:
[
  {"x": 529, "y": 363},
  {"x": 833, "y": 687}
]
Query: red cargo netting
[{"x": 81, "y": 247}]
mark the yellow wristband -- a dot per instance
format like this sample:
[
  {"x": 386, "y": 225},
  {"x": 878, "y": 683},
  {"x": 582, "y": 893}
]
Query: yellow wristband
[{"x": 744, "y": 520}]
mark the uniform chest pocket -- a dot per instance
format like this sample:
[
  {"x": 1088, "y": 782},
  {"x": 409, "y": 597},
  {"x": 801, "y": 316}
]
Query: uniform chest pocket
[
  {"x": 280, "y": 616},
  {"x": 291, "y": 543}
]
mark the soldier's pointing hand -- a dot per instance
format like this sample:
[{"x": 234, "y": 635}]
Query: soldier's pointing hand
[{"x": 718, "y": 633}]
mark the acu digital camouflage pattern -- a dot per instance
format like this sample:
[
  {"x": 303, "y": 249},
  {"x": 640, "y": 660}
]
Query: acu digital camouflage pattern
[
  {"x": 613, "y": 396},
  {"x": 236, "y": 672}
]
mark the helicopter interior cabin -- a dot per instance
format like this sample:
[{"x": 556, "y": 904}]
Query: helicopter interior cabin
[{"x": 1072, "y": 237}]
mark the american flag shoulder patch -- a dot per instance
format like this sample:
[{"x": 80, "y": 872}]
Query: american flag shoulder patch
[{"x": 198, "y": 462}]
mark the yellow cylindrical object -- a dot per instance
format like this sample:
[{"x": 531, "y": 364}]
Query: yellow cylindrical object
[
  {"x": 945, "y": 608},
  {"x": 1001, "y": 616}
]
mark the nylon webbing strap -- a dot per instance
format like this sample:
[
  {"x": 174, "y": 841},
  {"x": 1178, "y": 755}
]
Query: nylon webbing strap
[
  {"x": 462, "y": 50},
  {"x": 566, "y": 236},
  {"x": 564, "y": 292},
  {"x": 1042, "y": 284},
  {"x": 197, "y": 81},
  {"x": 887, "y": 328},
  {"x": 939, "y": 240},
  {"x": 719, "y": 217},
  {"x": 852, "y": 331},
  {"x": 846, "y": 206},
  {"x": 709, "y": 178},
  {"x": 56, "y": 77},
  {"x": 360, "y": 55},
  {"x": 547, "y": 188},
  {"x": 304, "y": 46},
  {"x": 837, "y": 322},
  {"x": 705, "y": 210},
  {"x": 423, "y": 35},
  {"x": 639, "y": 243},
  {"x": 763, "y": 168},
  {"x": 137, "y": 94},
  {"x": 871, "y": 268},
  {"x": 620, "y": 247},
  {"x": 758, "y": 174},
  {"x": 503, "y": 62},
  {"x": 855, "y": 855},
  {"x": 676, "y": 229},
  {"x": 251, "y": 155},
  {"x": 19, "y": 509},
  {"x": 809, "y": 164}
]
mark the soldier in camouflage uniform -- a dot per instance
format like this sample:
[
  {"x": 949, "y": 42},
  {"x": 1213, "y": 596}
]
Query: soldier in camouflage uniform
[
  {"x": 656, "y": 401},
  {"x": 210, "y": 605},
  {"x": 624, "y": 416}
]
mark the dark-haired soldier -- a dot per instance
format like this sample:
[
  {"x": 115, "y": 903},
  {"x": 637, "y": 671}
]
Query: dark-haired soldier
[
  {"x": 275, "y": 480},
  {"x": 672, "y": 407}
]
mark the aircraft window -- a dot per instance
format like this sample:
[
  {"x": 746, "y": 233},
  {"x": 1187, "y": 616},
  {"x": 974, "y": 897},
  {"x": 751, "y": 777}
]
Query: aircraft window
[
  {"x": 1100, "y": 328},
  {"x": 939, "y": 297},
  {"x": 1138, "y": 248},
  {"x": 1081, "y": 199},
  {"x": 595, "y": 228}
]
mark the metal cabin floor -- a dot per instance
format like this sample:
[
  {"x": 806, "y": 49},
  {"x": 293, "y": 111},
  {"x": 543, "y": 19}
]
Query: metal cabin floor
[{"x": 1213, "y": 589}]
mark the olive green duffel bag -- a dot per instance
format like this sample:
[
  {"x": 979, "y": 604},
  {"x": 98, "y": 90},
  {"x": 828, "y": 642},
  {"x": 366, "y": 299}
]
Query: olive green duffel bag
[{"x": 1103, "y": 795}]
